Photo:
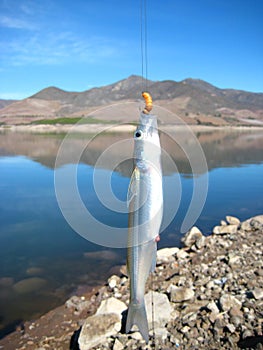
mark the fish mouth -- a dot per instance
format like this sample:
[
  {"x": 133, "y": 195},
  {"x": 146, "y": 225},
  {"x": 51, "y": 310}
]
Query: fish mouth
[{"x": 149, "y": 120}]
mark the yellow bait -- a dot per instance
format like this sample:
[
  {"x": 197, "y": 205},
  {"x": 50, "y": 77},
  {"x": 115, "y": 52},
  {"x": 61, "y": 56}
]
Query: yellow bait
[{"x": 148, "y": 102}]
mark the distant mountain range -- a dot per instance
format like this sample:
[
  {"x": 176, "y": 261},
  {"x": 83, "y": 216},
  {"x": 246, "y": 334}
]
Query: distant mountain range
[
  {"x": 4, "y": 103},
  {"x": 193, "y": 100}
]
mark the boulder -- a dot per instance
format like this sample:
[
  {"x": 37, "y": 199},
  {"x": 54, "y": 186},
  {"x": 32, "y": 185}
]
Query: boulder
[
  {"x": 166, "y": 255},
  {"x": 256, "y": 224},
  {"x": 96, "y": 329},
  {"x": 162, "y": 309},
  {"x": 200, "y": 243},
  {"x": 111, "y": 305},
  {"x": 232, "y": 220},
  {"x": 247, "y": 225},
  {"x": 192, "y": 236},
  {"x": 226, "y": 229}
]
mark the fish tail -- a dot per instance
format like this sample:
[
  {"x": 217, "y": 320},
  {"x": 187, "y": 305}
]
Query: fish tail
[{"x": 137, "y": 316}]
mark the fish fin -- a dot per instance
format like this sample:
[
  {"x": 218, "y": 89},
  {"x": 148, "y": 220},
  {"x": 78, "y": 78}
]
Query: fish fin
[
  {"x": 154, "y": 257},
  {"x": 137, "y": 316},
  {"x": 132, "y": 190}
]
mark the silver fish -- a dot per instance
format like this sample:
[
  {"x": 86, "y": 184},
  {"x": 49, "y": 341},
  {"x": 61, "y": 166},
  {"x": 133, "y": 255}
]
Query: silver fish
[{"x": 145, "y": 199}]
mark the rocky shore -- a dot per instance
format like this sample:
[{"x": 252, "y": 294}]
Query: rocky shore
[{"x": 206, "y": 295}]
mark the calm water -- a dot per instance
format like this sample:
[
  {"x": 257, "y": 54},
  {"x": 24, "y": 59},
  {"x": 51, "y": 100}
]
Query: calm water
[{"x": 43, "y": 260}]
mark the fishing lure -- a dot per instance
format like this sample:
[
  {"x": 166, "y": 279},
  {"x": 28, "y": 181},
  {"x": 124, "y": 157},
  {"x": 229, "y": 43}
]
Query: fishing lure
[{"x": 148, "y": 102}]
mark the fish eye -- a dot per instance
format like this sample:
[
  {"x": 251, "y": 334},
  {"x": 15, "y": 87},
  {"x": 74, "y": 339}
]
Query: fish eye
[{"x": 138, "y": 134}]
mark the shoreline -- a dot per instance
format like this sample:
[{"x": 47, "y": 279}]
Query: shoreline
[
  {"x": 94, "y": 128},
  {"x": 212, "y": 287}
]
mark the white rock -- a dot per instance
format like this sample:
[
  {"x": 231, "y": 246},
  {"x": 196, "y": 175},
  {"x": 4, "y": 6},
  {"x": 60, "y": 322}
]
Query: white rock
[
  {"x": 96, "y": 329},
  {"x": 217, "y": 230},
  {"x": 111, "y": 305},
  {"x": 231, "y": 327},
  {"x": 123, "y": 281},
  {"x": 228, "y": 301},
  {"x": 162, "y": 309},
  {"x": 192, "y": 236},
  {"x": 179, "y": 294},
  {"x": 117, "y": 295},
  {"x": 161, "y": 333},
  {"x": 200, "y": 243},
  {"x": 258, "y": 218},
  {"x": 257, "y": 293},
  {"x": 136, "y": 335},
  {"x": 185, "y": 329},
  {"x": 221, "y": 230},
  {"x": 246, "y": 224},
  {"x": 214, "y": 311},
  {"x": 182, "y": 254},
  {"x": 213, "y": 307},
  {"x": 117, "y": 345},
  {"x": 232, "y": 220},
  {"x": 113, "y": 281},
  {"x": 166, "y": 254},
  {"x": 233, "y": 259}
]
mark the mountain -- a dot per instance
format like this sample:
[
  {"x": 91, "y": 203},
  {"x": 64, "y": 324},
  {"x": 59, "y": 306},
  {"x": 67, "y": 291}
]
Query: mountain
[
  {"x": 193, "y": 100},
  {"x": 4, "y": 103}
]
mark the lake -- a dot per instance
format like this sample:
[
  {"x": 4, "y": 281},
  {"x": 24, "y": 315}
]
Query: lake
[{"x": 43, "y": 260}]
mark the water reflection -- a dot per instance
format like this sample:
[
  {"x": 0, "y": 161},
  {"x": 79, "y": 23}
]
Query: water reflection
[{"x": 221, "y": 147}]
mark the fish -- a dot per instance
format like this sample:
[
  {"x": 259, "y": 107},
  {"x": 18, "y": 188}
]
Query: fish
[{"x": 145, "y": 202}]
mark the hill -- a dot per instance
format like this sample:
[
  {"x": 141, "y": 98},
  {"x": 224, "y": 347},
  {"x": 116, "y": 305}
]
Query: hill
[
  {"x": 4, "y": 103},
  {"x": 193, "y": 100}
]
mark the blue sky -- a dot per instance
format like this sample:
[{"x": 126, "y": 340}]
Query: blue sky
[{"x": 76, "y": 45}]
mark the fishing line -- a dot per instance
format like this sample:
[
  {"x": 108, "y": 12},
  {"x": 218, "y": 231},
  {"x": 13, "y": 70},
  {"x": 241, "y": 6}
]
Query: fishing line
[
  {"x": 144, "y": 45},
  {"x": 152, "y": 302}
]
